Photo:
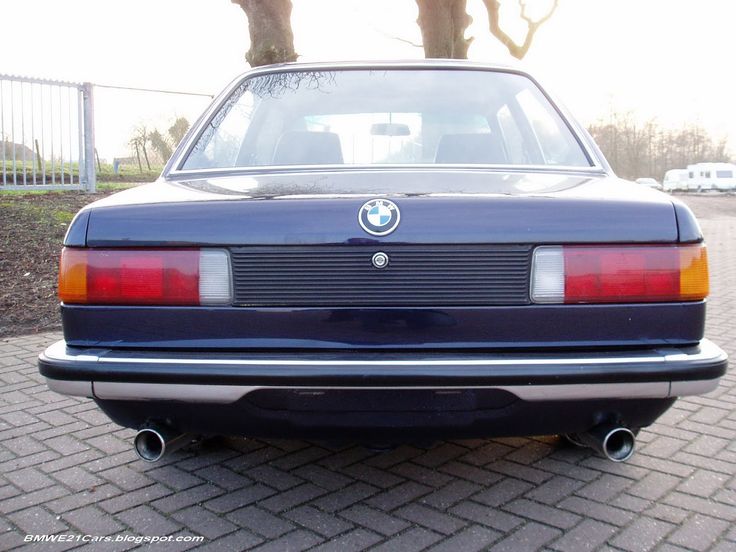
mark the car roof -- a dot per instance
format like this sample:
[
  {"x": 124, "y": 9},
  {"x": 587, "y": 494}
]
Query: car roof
[{"x": 386, "y": 64}]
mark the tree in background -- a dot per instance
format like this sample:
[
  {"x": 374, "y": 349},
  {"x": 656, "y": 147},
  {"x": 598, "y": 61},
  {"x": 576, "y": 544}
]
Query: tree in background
[
  {"x": 161, "y": 145},
  {"x": 635, "y": 149},
  {"x": 532, "y": 25},
  {"x": 178, "y": 130},
  {"x": 139, "y": 143},
  {"x": 269, "y": 26},
  {"x": 443, "y": 24}
]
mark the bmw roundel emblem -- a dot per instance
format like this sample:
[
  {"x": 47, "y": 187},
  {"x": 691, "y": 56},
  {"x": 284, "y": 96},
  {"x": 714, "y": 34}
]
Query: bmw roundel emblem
[{"x": 379, "y": 217}]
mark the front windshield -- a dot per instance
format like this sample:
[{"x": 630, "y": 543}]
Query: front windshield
[{"x": 386, "y": 117}]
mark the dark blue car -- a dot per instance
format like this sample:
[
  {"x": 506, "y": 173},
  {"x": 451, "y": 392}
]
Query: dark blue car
[{"x": 384, "y": 253}]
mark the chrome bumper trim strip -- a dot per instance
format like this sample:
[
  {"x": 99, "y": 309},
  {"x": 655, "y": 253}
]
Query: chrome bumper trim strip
[
  {"x": 707, "y": 351},
  {"x": 226, "y": 394}
]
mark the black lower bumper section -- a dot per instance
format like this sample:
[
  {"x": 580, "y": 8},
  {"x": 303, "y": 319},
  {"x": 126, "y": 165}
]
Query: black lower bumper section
[{"x": 386, "y": 415}]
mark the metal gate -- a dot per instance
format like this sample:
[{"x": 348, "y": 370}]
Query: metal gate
[{"x": 46, "y": 135}]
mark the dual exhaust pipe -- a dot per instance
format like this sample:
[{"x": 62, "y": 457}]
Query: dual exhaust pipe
[
  {"x": 153, "y": 443},
  {"x": 614, "y": 442}
]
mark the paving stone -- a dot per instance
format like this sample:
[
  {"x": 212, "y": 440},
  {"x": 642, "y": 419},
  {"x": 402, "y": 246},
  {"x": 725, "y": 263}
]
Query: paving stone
[
  {"x": 354, "y": 541},
  {"x": 375, "y": 520},
  {"x": 77, "y": 479},
  {"x": 412, "y": 540},
  {"x": 531, "y": 536},
  {"x": 293, "y": 497},
  {"x": 699, "y": 532},
  {"x": 293, "y": 542},
  {"x": 223, "y": 477},
  {"x": 189, "y": 497},
  {"x": 260, "y": 522},
  {"x": 237, "y": 499},
  {"x": 431, "y": 518},
  {"x": 327, "y": 479},
  {"x": 91, "y": 520},
  {"x": 643, "y": 534},
  {"x": 327, "y": 525},
  {"x": 239, "y": 540},
  {"x": 29, "y": 479},
  {"x": 552, "y": 491},
  {"x": 204, "y": 522},
  {"x": 144, "y": 520},
  {"x": 540, "y": 512},
  {"x": 491, "y": 517},
  {"x": 468, "y": 540},
  {"x": 588, "y": 535},
  {"x": 37, "y": 521},
  {"x": 502, "y": 492},
  {"x": 399, "y": 495},
  {"x": 345, "y": 497}
]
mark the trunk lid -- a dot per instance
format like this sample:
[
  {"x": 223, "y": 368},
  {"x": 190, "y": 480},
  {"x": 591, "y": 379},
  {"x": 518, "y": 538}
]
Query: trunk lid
[{"x": 437, "y": 207}]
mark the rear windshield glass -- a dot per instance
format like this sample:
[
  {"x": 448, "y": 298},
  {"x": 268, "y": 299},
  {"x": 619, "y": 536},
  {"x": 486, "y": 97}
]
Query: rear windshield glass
[{"x": 385, "y": 117}]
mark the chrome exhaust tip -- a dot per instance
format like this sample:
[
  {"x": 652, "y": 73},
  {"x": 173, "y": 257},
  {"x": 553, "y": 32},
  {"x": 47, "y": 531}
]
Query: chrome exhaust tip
[
  {"x": 618, "y": 444},
  {"x": 152, "y": 444},
  {"x": 614, "y": 442}
]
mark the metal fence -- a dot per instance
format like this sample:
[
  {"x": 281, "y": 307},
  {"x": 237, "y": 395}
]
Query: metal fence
[{"x": 47, "y": 134}]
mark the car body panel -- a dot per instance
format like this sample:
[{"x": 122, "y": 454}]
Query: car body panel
[
  {"x": 283, "y": 209},
  {"x": 516, "y": 327},
  {"x": 387, "y": 370}
]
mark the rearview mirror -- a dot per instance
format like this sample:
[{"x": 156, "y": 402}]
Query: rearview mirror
[{"x": 390, "y": 129}]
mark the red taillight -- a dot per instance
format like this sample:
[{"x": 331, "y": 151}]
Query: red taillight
[
  {"x": 144, "y": 277},
  {"x": 620, "y": 274}
]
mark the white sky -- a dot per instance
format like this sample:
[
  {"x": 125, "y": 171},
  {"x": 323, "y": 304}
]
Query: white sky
[{"x": 669, "y": 59}]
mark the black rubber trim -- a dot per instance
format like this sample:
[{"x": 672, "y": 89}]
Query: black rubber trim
[{"x": 372, "y": 375}]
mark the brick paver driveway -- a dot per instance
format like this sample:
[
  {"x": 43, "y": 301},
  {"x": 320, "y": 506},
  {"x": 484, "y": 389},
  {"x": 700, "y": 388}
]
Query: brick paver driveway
[{"x": 64, "y": 468}]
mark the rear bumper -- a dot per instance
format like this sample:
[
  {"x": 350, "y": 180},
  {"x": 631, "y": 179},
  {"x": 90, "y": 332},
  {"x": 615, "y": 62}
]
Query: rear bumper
[
  {"x": 383, "y": 397},
  {"x": 227, "y": 377}
]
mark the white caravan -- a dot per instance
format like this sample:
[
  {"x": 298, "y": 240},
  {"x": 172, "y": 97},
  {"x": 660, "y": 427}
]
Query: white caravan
[
  {"x": 711, "y": 176},
  {"x": 675, "y": 180}
]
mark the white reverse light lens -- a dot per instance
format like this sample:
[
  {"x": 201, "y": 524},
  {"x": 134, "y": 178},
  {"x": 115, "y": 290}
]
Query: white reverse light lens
[
  {"x": 548, "y": 275},
  {"x": 215, "y": 283}
]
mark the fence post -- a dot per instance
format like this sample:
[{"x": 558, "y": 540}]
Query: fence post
[{"x": 88, "y": 108}]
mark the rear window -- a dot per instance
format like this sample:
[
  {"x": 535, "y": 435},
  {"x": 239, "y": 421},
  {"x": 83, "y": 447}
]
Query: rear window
[{"x": 385, "y": 117}]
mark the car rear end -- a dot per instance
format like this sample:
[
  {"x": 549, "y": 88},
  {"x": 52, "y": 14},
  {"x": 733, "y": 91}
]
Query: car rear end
[{"x": 460, "y": 296}]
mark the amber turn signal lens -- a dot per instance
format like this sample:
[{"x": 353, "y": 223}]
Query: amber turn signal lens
[
  {"x": 694, "y": 273},
  {"x": 73, "y": 276}
]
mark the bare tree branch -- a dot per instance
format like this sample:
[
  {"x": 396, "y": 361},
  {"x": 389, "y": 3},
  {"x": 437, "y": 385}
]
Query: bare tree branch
[
  {"x": 516, "y": 50},
  {"x": 404, "y": 40}
]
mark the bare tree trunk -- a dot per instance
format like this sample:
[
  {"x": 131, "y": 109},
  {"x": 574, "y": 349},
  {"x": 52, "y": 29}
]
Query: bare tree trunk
[
  {"x": 269, "y": 26},
  {"x": 443, "y": 24},
  {"x": 145, "y": 155},
  {"x": 138, "y": 156}
]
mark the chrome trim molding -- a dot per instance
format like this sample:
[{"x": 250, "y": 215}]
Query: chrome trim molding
[
  {"x": 707, "y": 351},
  {"x": 227, "y": 394},
  {"x": 74, "y": 388},
  {"x": 684, "y": 388},
  {"x": 120, "y": 391}
]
